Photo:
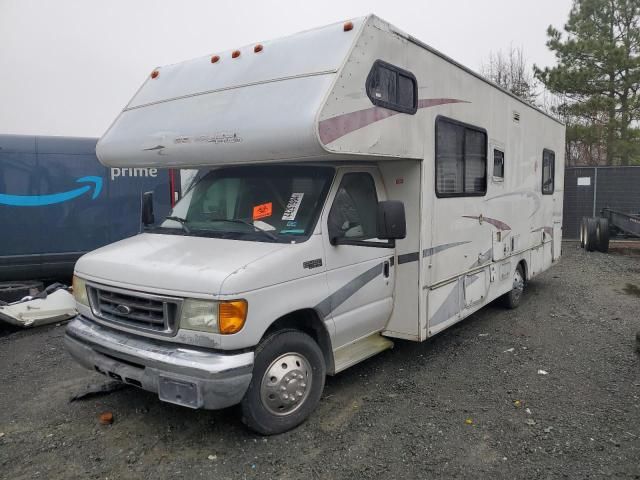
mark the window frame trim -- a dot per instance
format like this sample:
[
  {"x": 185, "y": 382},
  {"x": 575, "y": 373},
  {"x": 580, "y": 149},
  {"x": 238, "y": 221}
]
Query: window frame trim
[
  {"x": 441, "y": 118},
  {"x": 553, "y": 172},
  {"x": 389, "y": 105}
]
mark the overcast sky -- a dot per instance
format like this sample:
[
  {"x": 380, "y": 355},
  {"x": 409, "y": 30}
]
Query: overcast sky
[{"x": 67, "y": 67}]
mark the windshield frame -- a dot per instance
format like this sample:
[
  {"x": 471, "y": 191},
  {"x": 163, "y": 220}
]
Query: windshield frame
[{"x": 326, "y": 171}]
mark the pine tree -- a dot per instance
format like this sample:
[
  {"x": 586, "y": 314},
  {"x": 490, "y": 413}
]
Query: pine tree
[{"x": 598, "y": 76}]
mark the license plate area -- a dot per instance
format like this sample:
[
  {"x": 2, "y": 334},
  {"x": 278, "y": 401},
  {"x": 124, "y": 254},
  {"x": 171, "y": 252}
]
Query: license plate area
[{"x": 180, "y": 392}]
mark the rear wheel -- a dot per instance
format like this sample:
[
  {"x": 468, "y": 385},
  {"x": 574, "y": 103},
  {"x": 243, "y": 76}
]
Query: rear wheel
[
  {"x": 288, "y": 379},
  {"x": 513, "y": 298}
]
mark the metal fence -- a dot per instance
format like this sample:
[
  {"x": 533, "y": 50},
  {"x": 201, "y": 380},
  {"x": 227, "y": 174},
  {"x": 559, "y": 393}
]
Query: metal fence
[{"x": 589, "y": 189}]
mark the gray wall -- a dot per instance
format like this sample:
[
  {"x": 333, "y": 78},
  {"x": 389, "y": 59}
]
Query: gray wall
[{"x": 615, "y": 187}]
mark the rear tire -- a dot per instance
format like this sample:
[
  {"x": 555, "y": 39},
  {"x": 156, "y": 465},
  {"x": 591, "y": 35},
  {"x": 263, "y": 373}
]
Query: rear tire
[
  {"x": 512, "y": 299},
  {"x": 591, "y": 236},
  {"x": 288, "y": 378},
  {"x": 602, "y": 234}
]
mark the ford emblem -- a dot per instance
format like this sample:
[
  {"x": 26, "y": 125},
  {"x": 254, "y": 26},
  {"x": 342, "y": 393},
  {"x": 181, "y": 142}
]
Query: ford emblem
[{"x": 123, "y": 309}]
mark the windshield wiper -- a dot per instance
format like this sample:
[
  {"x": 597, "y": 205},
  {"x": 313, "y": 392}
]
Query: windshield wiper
[
  {"x": 244, "y": 222},
  {"x": 181, "y": 221}
]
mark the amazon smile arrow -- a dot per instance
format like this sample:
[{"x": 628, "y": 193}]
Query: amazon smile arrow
[{"x": 40, "y": 200}]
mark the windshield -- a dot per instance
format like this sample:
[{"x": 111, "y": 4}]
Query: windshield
[{"x": 258, "y": 203}]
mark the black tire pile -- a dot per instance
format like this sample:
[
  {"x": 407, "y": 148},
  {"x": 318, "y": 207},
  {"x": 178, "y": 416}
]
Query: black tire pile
[{"x": 594, "y": 234}]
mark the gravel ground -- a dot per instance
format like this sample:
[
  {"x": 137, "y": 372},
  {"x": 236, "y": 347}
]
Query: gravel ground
[{"x": 468, "y": 403}]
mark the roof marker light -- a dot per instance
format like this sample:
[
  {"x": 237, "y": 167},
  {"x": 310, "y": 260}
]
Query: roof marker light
[
  {"x": 155, "y": 74},
  {"x": 348, "y": 26},
  {"x": 258, "y": 48},
  {"x": 215, "y": 59},
  {"x": 235, "y": 54}
]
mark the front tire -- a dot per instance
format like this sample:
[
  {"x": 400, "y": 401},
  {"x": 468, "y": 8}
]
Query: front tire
[
  {"x": 288, "y": 378},
  {"x": 512, "y": 299}
]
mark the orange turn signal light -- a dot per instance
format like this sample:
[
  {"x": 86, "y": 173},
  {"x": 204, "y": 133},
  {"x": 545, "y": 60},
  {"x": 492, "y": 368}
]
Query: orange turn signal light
[
  {"x": 231, "y": 316},
  {"x": 258, "y": 48},
  {"x": 348, "y": 26},
  {"x": 155, "y": 74},
  {"x": 215, "y": 59},
  {"x": 235, "y": 54}
]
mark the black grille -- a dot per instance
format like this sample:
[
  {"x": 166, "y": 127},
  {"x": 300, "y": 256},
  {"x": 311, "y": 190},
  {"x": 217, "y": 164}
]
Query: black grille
[{"x": 135, "y": 309}]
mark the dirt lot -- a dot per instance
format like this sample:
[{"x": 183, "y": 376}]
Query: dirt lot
[{"x": 469, "y": 403}]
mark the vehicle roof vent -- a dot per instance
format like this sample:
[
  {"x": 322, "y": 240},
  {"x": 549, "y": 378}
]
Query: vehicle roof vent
[{"x": 516, "y": 117}]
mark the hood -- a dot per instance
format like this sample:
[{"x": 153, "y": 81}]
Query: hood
[{"x": 175, "y": 264}]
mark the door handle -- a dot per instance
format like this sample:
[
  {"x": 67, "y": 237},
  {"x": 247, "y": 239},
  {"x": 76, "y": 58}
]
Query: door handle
[{"x": 385, "y": 269}]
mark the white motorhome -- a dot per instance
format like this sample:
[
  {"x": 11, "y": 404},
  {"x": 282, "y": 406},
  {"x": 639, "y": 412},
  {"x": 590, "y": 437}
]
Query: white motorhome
[{"x": 359, "y": 186}]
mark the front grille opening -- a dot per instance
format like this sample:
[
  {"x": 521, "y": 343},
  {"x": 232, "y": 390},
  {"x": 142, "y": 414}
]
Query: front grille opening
[
  {"x": 133, "y": 310},
  {"x": 115, "y": 376}
]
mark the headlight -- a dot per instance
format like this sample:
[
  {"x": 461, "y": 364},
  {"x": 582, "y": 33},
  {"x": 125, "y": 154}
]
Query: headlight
[
  {"x": 80, "y": 291},
  {"x": 200, "y": 315},
  {"x": 214, "y": 317}
]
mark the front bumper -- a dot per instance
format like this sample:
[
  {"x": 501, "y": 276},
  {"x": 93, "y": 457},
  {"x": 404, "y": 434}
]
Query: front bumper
[{"x": 193, "y": 378}]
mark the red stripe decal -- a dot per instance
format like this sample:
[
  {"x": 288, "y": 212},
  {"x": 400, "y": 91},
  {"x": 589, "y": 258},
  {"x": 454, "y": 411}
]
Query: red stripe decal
[{"x": 335, "y": 127}]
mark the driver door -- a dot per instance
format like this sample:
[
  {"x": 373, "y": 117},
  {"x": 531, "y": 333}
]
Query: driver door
[{"x": 361, "y": 278}]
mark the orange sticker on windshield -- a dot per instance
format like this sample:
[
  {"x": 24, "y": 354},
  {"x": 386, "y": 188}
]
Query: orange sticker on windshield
[{"x": 262, "y": 211}]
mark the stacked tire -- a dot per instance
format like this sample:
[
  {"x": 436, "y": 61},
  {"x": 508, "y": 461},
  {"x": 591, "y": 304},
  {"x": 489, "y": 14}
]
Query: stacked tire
[{"x": 594, "y": 234}]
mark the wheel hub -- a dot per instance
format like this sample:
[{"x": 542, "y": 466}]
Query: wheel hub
[
  {"x": 518, "y": 284},
  {"x": 286, "y": 384}
]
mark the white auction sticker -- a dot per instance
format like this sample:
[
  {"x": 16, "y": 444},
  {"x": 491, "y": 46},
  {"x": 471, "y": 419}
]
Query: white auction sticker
[{"x": 292, "y": 207}]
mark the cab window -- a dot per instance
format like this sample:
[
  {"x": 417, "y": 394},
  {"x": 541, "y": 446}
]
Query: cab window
[{"x": 353, "y": 213}]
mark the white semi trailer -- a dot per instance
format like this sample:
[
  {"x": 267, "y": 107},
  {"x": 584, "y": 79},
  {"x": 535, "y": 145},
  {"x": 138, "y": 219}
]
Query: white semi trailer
[{"x": 361, "y": 186}]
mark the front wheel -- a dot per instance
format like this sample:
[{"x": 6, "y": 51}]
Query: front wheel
[
  {"x": 513, "y": 298},
  {"x": 288, "y": 379}
]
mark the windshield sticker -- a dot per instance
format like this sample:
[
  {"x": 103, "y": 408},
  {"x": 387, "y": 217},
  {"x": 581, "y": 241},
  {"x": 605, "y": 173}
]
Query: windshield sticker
[
  {"x": 292, "y": 207},
  {"x": 292, "y": 223},
  {"x": 292, "y": 231},
  {"x": 262, "y": 211}
]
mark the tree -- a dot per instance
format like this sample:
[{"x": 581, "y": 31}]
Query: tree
[
  {"x": 510, "y": 71},
  {"x": 598, "y": 76}
]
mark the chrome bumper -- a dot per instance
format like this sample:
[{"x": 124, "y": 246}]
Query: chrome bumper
[{"x": 194, "y": 378}]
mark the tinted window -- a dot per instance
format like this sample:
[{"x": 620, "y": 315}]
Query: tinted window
[
  {"x": 461, "y": 159},
  {"x": 392, "y": 87},
  {"x": 498, "y": 164},
  {"x": 548, "y": 172},
  {"x": 383, "y": 84},
  {"x": 353, "y": 213}
]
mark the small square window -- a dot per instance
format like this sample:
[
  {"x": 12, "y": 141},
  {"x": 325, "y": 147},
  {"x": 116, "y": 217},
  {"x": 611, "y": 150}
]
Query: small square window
[{"x": 498, "y": 164}]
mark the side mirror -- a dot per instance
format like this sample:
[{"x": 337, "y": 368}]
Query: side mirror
[
  {"x": 392, "y": 223},
  {"x": 147, "y": 209}
]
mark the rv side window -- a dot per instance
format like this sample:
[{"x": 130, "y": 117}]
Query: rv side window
[
  {"x": 498, "y": 164},
  {"x": 548, "y": 172},
  {"x": 461, "y": 159},
  {"x": 392, "y": 87}
]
